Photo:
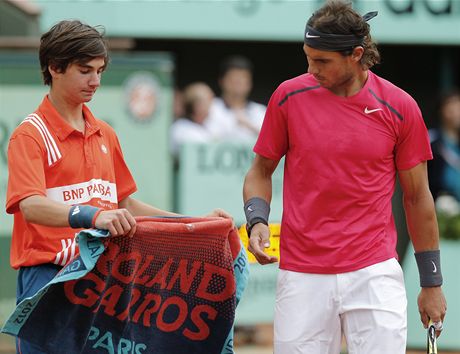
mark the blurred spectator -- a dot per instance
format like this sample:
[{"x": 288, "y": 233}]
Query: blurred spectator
[
  {"x": 232, "y": 115},
  {"x": 178, "y": 104},
  {"x": 444, "y": 169},
  {"x": 197, "y": 99}
]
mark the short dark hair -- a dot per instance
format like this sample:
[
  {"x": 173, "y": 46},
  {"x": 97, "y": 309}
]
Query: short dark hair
[
  {"x": 338, "y": 17},
  {"x": 235, "y": 62},
  {"x": 70, "y": 41}
]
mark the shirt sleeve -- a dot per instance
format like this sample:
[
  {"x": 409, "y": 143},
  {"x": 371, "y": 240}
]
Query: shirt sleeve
[
  {"x": 124, "y": 179},
  {"x": 26, "y": 171},
  {"x": 413, "y": 144},
  {"x": 273, "y": 140}
]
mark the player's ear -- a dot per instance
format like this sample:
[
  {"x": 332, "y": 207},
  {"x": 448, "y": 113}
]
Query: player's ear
[
  {"x": 357, "y": 53},
  {"x": 54, "y": 71},
  {"x": 51, "y": 69}
]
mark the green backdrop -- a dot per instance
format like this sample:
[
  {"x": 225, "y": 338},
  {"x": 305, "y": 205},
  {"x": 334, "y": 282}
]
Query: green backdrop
[{"x": 399, "y": 21}]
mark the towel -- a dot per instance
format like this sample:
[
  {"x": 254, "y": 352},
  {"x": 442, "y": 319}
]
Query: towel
[{"x": 170, "y": 289}]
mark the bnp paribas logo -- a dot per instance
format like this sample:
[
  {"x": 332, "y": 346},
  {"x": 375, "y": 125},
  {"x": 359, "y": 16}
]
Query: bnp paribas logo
[{"x": 142, "y": 96}]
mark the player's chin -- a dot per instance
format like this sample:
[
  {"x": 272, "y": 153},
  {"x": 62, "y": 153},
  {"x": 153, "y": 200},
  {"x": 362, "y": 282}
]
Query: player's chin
[{"x": 87, "y": 96}]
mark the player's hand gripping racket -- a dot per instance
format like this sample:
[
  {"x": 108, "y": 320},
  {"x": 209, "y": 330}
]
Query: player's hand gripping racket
[{"x": 432, "y": 347}]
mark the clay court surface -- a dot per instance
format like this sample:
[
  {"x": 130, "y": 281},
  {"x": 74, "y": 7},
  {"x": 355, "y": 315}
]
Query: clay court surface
[
  {"x": 7, "y": 347},
  {"x": 265, "y": 350}
]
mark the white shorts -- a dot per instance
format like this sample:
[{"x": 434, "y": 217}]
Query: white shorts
[{"x": 367, "y": 306}]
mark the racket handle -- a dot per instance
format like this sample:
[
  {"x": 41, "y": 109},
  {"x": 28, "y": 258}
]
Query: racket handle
[{"x": 432, "y": 347}]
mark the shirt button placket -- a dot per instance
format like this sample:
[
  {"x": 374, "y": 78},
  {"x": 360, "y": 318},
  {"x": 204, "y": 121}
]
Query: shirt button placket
[{"x": 88, "y": 152}]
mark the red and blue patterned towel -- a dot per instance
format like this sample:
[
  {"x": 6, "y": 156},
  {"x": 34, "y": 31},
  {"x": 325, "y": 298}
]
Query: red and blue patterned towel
[{"x": 171, "y": 289}]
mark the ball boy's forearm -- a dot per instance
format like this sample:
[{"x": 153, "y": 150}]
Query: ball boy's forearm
[{"x": 40, "y": 210}]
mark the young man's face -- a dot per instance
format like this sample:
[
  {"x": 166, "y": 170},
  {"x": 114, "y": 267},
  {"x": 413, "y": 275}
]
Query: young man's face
[
  {"x": 236, "y": 82},
  {"x": 79, "y": 82},
  {"x": 331, "y": 69}
]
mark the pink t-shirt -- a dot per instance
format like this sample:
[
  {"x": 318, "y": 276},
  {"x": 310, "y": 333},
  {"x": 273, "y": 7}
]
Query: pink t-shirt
[{"x": 342, "y": 154}]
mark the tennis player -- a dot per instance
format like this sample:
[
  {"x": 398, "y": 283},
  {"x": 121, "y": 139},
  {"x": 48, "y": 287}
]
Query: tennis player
[
  {"x": 346, "y": 134},
  {"x": 66, "y": 167}
]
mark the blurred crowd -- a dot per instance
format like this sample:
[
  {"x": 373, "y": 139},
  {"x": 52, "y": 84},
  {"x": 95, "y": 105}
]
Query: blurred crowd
[
  {"x": 203, "y": 117},
  {"x": 444, "y": 169}
]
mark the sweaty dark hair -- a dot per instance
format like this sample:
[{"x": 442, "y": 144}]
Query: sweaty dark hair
[
  {"x": 235, "y": 62},
  {"x": 338, "y": 17},
  {"x": 70, "y": 42}
]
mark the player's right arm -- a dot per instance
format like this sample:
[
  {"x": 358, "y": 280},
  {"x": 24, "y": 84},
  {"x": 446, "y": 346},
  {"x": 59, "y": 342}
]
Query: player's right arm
[
  {"x": 258, "y": 183},
  {"x": 41, "y": 210}
]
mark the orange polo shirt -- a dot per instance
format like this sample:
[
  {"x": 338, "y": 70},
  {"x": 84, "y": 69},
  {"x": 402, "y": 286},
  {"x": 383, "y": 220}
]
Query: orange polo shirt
[{"x": 47, "y": 157}]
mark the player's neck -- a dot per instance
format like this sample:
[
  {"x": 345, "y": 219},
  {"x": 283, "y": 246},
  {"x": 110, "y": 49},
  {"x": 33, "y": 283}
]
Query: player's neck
[
  {"x": 353, "y": 85},
  {"x": 70, "y": 112}
]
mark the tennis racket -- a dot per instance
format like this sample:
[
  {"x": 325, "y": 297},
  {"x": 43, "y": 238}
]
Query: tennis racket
[{"x": 431, "y": 347}]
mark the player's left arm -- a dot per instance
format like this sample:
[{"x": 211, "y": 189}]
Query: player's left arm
[
  {"x": 423, "y": 230},
  {"x": 139, "y": 208}
]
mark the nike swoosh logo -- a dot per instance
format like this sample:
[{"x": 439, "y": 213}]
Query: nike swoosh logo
[
  {"x": 250, "y": 209},
  {"x": 434, "y": 267},
  {"x": 368, "y": 111},
  {"x": 308, "y": 35}
]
